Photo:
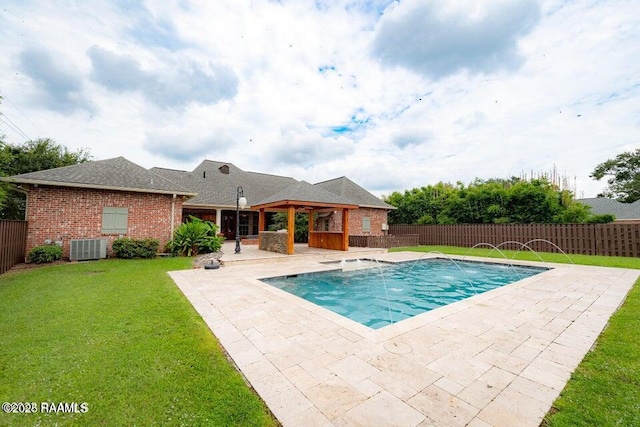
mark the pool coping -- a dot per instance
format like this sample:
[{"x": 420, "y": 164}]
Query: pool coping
[
  {"x": 399, "y": 327},
  {"x": 497, "y": 358}
]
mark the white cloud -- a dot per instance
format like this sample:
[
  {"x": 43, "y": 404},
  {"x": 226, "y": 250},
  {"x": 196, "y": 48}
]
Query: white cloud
[
  {"x": 56, "y": 86},
  {"x": 438, "y": 39},
  {"x": 394, "y": 95},
  {"x": 174, "y": 84}
]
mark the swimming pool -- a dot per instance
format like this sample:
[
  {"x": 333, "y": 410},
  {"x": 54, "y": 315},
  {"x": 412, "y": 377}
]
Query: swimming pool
[{"x": 379, "y": 294}]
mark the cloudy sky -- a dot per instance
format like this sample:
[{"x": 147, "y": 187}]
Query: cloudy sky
[{"x": 392, "y": 94}]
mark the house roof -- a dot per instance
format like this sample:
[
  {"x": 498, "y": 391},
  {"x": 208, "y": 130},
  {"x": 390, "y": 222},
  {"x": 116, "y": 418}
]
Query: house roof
[
  {"x": 111, "y": 174},
  {"x": 622, "y": 211},
  {"x": 303, "y": 194},
  {"x": 348, "y": 189},
  {"x": 216, "y": 183},
  {"x": 211, "y": 183}
]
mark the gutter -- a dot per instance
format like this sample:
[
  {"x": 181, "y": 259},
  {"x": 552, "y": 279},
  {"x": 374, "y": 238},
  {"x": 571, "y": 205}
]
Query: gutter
[{"x": 94, "y": 186}]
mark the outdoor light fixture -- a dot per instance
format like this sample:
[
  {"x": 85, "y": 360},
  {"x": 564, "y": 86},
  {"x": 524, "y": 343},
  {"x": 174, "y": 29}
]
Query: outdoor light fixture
[{"x": 241, "y": 202}]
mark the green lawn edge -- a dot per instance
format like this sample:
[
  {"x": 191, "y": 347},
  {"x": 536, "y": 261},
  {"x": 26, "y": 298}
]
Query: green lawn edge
[
  {"x": 604, "y": 390},
  {"x": 526, "y": 255},
  {"x": 120, "y": 336}
]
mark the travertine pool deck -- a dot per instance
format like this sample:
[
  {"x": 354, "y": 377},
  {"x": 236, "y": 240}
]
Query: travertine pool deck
[{"x": 496, "y": 359}]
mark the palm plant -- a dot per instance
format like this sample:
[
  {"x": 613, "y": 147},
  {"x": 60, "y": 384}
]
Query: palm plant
[{"x": 196, "y": 237}]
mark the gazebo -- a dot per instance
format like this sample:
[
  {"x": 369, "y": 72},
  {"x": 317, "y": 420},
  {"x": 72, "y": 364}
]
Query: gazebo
[{"x": 304, "y": 197}]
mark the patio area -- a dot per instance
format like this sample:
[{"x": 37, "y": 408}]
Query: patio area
[
  {"x": 496, "y": 359},
  {"x": 251, "y": 253}
]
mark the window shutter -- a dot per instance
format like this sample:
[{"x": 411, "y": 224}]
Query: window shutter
[
  {"x": 366, "y": 224},
  {"x": 114, "y": 220}
]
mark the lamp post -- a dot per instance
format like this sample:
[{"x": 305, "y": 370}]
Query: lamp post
[{"x": 241, "y": 202}]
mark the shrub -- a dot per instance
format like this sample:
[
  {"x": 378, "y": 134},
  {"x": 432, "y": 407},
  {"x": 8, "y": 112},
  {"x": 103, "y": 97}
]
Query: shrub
[
  {"x": 128, "y": 248},
  {"x": 196, "y": 237},
  {"x": 601, "y": 219},
  {"x": 45, "y": 253},
  {"x": 147, "y": 248},
  {"x": 426, "y": 219},
  {"x": 124, "y": 248}
]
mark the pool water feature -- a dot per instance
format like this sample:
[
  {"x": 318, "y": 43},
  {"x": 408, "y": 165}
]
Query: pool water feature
[{"x": 388, "y": 293}]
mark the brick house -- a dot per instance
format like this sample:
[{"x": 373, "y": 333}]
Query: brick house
[
  {"x": 111, "y": 198},
  {"x": 216, "y": 185},
  {"x": 103, "y": 199},
  {"x": 370, "y": 219}
]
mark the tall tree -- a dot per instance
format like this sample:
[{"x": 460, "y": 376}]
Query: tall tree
[
  {"x": 32, "y": 156},
  {"x": 624, "y": 173}
]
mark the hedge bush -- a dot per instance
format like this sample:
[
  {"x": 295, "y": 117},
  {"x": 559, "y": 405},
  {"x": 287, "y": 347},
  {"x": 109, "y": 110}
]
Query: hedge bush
[
  {"x": 45, "y": 253},
  {"x": 128, "y": 248}
]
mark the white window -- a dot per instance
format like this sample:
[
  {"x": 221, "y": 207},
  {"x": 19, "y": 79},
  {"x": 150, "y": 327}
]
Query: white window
[
  {"x": 114, "y": 220},
  {"x": 366, "y": 224}
]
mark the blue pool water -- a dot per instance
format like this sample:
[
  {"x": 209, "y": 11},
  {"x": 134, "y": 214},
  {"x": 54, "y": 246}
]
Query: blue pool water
[{"x": 388, "y": 293}]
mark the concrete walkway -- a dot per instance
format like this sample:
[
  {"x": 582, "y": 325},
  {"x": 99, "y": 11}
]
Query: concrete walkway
[{"x": 496, "y": 359}]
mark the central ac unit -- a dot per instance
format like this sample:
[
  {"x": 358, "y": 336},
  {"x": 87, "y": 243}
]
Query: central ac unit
[{"x": 87, "y": 249}]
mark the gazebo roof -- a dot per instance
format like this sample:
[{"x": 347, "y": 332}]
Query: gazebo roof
[{"x": 304, "y": 195}]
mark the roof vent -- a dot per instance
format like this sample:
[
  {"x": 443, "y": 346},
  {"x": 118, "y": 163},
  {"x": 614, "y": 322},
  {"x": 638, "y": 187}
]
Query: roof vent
[
  {"x": 204, "y": 174},
  {"x": 224, "y": 169}
]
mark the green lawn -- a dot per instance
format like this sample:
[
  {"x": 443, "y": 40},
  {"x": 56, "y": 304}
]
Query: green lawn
[
  {"x": 524, "y": 254},
  {"x": 118, "y": 335},
  {"x": 605, "y": 388}
]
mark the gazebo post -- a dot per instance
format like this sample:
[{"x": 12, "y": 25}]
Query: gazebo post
[
  {"x": 261, "y": 226},
  {"x": 291, "y": 219},
  {"x": 261, "y": 221},
  {"x": 345, "y": 229},
  {"x": 311, "y": 225}
]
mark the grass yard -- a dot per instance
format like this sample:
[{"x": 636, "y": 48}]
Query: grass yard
[
  {"x": 526, "y": 255},
  {"x": 605, "y": 388},
  {"x": 118, "y": 335}
]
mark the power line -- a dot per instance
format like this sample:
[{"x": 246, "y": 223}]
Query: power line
[
  {"x": 7, "y": 121},
  {"x": 20, "y": 111}
]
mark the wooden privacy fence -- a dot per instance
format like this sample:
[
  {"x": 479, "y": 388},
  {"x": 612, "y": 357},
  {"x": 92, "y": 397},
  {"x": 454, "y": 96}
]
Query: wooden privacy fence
[
  {"x": 13, "y": 240},
  {"x": 613, "y": 239},
  {"x": 390, "y": 241}
]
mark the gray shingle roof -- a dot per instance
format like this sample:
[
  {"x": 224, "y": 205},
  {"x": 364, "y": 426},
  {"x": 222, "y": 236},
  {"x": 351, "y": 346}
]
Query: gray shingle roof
[
  {"x": 216, "y": 188},
  {"x": 602, "y": 205},
  {"x": 114, "y": 174},
  {"x": 305, "y": 192},
  {"x": 211, "y": 183},
  {"x": 348, "y": 189}
]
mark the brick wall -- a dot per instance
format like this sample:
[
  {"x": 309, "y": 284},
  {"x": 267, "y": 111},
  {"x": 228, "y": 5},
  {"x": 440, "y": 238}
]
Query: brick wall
[
  {"x": 60, "y": 213},
  {"x": 376, "y": 216}
]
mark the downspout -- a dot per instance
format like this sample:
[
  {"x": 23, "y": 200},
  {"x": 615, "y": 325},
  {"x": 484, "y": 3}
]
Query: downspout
[
  {"x": 173, "y": 215},
  {"x": 19, "y": 189}
]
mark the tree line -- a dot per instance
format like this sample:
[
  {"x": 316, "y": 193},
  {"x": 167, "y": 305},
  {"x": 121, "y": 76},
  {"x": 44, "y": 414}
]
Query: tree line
[
  {"x": 515, "y": 200},
  {"x": 493, "y": 201}
]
